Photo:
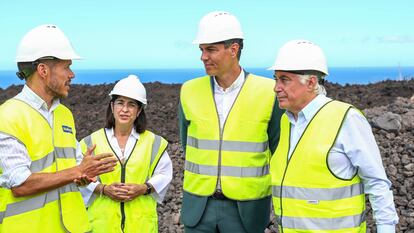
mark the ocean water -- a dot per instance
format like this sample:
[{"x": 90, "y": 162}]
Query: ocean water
[{"x": 341, "y": 75}]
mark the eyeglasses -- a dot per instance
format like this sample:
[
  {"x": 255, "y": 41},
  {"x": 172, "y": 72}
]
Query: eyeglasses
[{"x": 120, "y": 104}]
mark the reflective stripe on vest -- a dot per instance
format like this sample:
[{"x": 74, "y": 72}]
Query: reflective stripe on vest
[
  {"x": 61, "y": 153},
  {"x": 326, "y": 194},
  {"x": 306, "y": 195},
  {"x": 227, "y": 145},
  {"x": 238, "y": 155},
  {"x": 36, "y": 202},
  {"x": 321, "y": 223},
  {"x": 140, "y": 213},
  {"x": 227, "y": 170},
  {"x": 155, "y": 148}
]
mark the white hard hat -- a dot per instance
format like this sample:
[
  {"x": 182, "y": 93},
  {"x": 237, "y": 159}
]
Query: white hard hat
[
  {"x": 45, "y": 41},
  {"x": 130, "y": 87},
  {"x": 299, "y": 55},
  {"x": 218, "y": 26}
]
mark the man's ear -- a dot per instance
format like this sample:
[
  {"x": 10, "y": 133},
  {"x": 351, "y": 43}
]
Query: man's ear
[
  {"x": 234, "y": 49},
  {"x": 42, "y": 69},
  {"x": 313, "y": 81}
]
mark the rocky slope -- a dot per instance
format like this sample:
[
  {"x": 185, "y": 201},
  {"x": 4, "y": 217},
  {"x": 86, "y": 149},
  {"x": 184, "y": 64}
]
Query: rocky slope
[{"x": 387, "y": 105}]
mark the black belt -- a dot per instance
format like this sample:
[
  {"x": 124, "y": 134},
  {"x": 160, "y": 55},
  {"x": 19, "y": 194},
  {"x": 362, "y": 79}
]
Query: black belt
[{"x": 218, "y": 195}]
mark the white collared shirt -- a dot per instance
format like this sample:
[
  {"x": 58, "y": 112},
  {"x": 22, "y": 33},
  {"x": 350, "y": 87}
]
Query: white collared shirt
[
  {"x": 225, "y": 98},
  {"x": 355, "y": 150},
  {"x": 14, "y": 159},
  {"x": 160, "y": 180}
]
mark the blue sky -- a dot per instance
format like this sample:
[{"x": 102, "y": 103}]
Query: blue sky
[{"x": 158, "y": 34}]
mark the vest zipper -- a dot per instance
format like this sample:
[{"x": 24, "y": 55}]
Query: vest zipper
[
  {"x": 123, "y": 169},
  {"x": 57, "y": 169},
  {"x": 218, "y": 183},
  {"x": 283, "y": 179},
  {"x": 221, "y": 131}
]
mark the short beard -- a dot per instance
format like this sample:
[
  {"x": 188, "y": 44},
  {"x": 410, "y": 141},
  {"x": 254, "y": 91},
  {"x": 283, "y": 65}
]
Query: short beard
[{"x": 52, "y": 87}]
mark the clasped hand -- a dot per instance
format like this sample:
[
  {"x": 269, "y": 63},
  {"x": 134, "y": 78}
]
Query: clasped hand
[{"x": 124, "y": 192}]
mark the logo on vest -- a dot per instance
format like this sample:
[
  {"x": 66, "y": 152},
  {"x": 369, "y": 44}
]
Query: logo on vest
[
  {"x": 314, "y": 202},
  {"x": 67, "y": 129}
]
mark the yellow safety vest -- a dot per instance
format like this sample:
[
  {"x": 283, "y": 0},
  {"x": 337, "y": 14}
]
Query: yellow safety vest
[
  {"x": 307, "y": 196},
  {"x": 3, "y": 204},
  {"x": 238, "y": 155},
  {"x": 140, "y": 214},
  {"x": 51, "y": 149}
]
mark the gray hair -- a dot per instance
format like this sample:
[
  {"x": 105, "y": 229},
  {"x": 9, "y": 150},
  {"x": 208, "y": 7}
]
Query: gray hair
[{"x": 318, "y": 89}]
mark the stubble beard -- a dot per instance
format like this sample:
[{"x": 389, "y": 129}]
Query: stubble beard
[{"x": 53, "y": 89}]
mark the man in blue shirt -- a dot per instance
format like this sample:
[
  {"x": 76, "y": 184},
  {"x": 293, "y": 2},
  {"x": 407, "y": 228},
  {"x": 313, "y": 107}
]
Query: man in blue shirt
[{"x": 333, "y": 144}]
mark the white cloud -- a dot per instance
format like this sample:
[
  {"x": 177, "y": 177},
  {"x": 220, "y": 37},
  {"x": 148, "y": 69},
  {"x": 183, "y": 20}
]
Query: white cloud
[{"x": 396, "y": 39}]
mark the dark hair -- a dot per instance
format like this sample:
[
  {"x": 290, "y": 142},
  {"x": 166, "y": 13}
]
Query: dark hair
[
  {"x": 140, "y": 124},
  {"x": 26, "y": 69},
  {"x": 228, "y": 43}
]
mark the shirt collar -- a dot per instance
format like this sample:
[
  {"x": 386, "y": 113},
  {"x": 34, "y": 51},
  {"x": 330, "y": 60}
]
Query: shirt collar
[
  {"x": 134, "y": 133},
  {"x": 36, "y": 101},
  {"x": 235, "y": 85},
  {"x": 309, "y": 110}
]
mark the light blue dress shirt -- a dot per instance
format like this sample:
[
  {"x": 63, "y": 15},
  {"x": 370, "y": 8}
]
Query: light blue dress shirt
[{"x": 355, "y": 150}]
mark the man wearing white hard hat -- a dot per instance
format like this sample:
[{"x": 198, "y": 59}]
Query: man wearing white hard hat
[
  {"x": 229, "y": 128},
  {"x": 327, "y": 158},
  {"x": 125, "y": 200},
  {"x": 38, "y": 146}
]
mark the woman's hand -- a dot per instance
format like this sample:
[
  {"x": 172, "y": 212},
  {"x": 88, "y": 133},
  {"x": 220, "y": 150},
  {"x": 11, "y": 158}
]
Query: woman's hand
[
  {"x": 116, "y": 191},
  {"x": 124, "y": 192},
  {"x": 134, "y": 190}
]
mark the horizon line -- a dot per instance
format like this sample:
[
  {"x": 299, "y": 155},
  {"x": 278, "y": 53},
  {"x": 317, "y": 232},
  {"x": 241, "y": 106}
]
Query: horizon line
[{"x": 192, "y": 68}]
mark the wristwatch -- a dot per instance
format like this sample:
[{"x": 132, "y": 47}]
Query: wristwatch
[{"x": 149, "y": 188}]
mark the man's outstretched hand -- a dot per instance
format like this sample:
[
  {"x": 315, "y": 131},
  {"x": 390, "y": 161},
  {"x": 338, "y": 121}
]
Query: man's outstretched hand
[{"x": 94, "y": 165}]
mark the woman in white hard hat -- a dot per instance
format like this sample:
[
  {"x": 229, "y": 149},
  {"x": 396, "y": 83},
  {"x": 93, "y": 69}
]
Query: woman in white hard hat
[{"x": 125, "y": 200}]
